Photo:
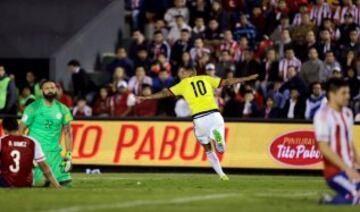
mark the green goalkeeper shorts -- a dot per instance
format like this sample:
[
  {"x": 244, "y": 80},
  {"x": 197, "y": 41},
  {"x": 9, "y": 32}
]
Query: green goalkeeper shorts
[{"x": 53, "y": 159}]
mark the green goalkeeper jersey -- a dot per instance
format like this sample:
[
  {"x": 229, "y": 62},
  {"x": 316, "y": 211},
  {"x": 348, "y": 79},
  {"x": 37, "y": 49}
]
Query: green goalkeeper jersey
[{"x": 45, "y": 123}]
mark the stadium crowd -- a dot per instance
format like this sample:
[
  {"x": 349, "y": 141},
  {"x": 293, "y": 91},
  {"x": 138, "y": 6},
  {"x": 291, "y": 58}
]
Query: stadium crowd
[{"x": 294, "y": 45}]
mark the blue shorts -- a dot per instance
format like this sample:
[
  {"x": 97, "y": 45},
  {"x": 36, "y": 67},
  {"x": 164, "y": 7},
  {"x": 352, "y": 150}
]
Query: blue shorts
[
  {"x": 343, "y": 186},
  {"x": 3, "y": 183}
]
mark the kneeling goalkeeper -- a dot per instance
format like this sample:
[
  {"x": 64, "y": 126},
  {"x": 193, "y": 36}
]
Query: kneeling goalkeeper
[{"x": 45, "y": 118}]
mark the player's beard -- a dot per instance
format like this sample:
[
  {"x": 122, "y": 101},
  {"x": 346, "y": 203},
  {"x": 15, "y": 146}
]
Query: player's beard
[{"x": 50, "y": 96}]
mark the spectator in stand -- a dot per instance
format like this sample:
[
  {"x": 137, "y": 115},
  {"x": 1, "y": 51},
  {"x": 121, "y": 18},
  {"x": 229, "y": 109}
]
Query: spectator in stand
[
  {"x": 199, "y": 8},
  {"x": 162, "y": 81},
  {"x": 240, "y": 50},
  {"x": 138, "y": 42},
  {"x": 218, "y": 14},
  {"x": 337, "y": 73},
  {"x": 310, "y": 42},
  {"x": 25, "y": 98},
  {"x": 258, "y": 19},
  {"x": 249, "y": 108},
  {"x": 270, "y": 67},
  {"x": 330, "y": 63},
  {"x": 229, "y": 44},
  {"x": 313, "y": 70},
  {"x": 245, "y": 28},
  {"x": 326, "y": 44},
  {"x": 182, "y": 109},
  {"x": 175, "y": 32},
  {"x": 136, "y": 8},
  {"x": 343, "y": 11},
  {"x": 274, "y": 17},
  {"x": 33, "y": 84},
  {"x": 7, "y": 93},
  {"x": 294, "y": 81},
  {"x": 186, "y": 60},
  {"x": 83, "y": 86},
  {"x": 346, "y": 28},
  {"x": 158, "y": 26},
  {"x": 81, "y": 108},
  {"x": 159, "y": 45},
  {"x": 199, "y": 29},
  {"x": 330, "y": 26},
  {"x": 303, "y": 8},
  {"x": 102, "y": 105},
  {"x": 353, "y": 81},
  {"x": 160, "y": 64},
  {"x": 179, "y": 9},
  {"x": 276, "y": 94},
  {"x": 270, "y": 110},
  {"x": 123, "y": 102},
  {"x": 284, "y": 25},
  {"x": 180, "y": 46},
  {"x": 319, "y": 11},
  {"x": 213, "y": 35},
  {"x": 143, "y": 60},
  {"x": 349, "y": 60},
  {"x": 232, "y": 107},
  {"x": 289, "y": 60},
  {"x": 119, "y": 75},
  {"x": 316, "y": 100},
  {"x": 283, "y": 43},
  {"x": 211, "y": 71},
  {"x": 225, "y": 64},
  {"x": 298, "y": 33},
  {"x": 121, "y": 60},
  {"x": 249, "y": 65},
  {"x": 63, "y": 97},
  {"x": 147, "y": 107},
  {"x": 198, "y": 50},
  {"x": 354, "y": 44},
  {"x": 294, "y": 107},
  {"x": 135, "y": 82}
]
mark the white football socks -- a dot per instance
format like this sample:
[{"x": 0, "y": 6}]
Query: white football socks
[{"x": 215, "y": 163}]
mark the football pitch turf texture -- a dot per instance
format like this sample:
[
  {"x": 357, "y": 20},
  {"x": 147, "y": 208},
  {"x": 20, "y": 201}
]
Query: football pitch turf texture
[{"x": 174, "y": 192}]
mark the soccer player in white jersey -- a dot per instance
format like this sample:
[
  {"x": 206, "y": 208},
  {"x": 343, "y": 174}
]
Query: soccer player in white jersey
[{"x": 333, "y": 125}]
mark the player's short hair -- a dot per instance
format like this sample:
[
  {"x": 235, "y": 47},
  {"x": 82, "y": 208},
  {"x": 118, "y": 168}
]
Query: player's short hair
[
  {"x": 73, "y": 62},
  {"x": 190, "y": 68},
  {"x": 10, "y": 124},
  {"x": 46, "y": 81},
  {"x": 334, "y": 84}
]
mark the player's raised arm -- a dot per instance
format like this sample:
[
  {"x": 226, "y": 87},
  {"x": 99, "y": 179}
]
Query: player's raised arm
[
  {"x": 233, "y": 81},
  {"x": 159, "y": 95},
  {"x": 48, "y": 174},
  {"x": 22, "y": 128}
]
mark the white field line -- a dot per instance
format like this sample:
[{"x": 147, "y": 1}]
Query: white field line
[
  {"x": 137, "y": 203},
  {"x": 287, "y": 195}
]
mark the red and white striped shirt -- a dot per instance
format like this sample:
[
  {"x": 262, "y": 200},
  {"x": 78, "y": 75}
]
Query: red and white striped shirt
[
  {"x": 339, "y": 16},
  {"x": 284, "y": 65},
  {"x": 319, "y": 12},
  {"x": 297, "y": 20},
  {"x": 335, "y": 128},
  {"x": 229, "y": 46}
]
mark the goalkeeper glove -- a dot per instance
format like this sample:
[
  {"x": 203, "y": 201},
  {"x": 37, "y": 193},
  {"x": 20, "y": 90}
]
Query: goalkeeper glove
[{"x": 66, "y": 163}]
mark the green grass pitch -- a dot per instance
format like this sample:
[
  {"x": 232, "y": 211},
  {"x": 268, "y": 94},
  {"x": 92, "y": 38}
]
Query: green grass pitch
[{"x": 174, "y": 192}]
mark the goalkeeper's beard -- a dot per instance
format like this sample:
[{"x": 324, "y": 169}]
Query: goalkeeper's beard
[{"x": 50, "y": 96}]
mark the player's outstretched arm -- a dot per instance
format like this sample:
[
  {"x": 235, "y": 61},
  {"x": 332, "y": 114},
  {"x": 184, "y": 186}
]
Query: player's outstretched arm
[
  {"x": 233, "y": 81},
  {"x": 48, "y": 174},
  {"x": 331, "y": 156},
  {"x": 159, "y": 95}
]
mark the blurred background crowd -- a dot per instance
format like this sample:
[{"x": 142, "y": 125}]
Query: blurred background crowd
[{"x": 294, "y": 45}]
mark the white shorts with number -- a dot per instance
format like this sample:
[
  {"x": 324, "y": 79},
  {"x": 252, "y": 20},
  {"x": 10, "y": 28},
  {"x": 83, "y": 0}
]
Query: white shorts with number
[{"x": 205, "y": 126}]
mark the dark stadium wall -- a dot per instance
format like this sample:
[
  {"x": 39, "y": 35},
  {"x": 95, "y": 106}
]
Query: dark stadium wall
[
  {"x": 58, "y": 30},
  {"x": 98, "y": 36}
]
